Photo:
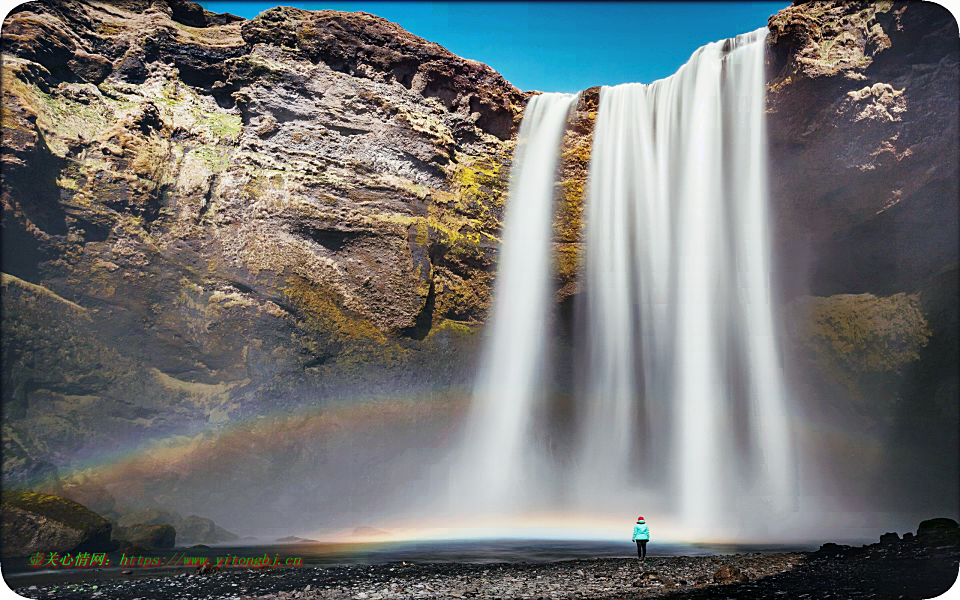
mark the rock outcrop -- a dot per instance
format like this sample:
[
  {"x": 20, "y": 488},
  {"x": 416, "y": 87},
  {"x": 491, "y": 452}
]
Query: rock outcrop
[
  {"x": 33, "y": 522},
  {"x": 863, "y": 122},
  {"x": 862, "y": 103},
  {"x": 939, "y": 531},
  {"x": 197, "y": 530},
  {"x": 217, "y": 217},
  {"x": 729, "y": 574},
  {"x": 147, "y": 535},
  {"x": 135, "y": 527},
  {"x": 932, "y": 535}
]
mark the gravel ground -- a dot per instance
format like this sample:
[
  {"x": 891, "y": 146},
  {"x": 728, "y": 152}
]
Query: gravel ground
[{"x": 872, "y": 572}]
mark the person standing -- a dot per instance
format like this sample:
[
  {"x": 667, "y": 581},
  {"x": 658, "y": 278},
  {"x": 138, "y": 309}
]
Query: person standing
[{"x": 641, "y": 535}]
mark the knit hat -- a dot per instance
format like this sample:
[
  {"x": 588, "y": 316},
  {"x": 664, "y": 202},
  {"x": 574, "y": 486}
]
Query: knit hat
[{"x": 639, "y": 519}]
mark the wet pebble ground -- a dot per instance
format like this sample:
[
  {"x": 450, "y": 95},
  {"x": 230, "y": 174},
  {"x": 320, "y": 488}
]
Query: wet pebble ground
[{"x": 875, "y": 573}]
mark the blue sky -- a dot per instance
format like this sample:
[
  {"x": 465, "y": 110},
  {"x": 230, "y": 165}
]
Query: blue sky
[{"x": 558, "y": 46}]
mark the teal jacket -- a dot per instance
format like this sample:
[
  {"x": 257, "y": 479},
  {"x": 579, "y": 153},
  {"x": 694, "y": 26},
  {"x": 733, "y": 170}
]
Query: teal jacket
[{"x": 641, "y": 532}]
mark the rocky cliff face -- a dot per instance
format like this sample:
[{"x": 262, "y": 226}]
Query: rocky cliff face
[
  {"x": 863, "y": 123},
  {"x": 863, "y": 119},
  {"x": 203, "y": 215},
  {"x": 206, "y": 219}
]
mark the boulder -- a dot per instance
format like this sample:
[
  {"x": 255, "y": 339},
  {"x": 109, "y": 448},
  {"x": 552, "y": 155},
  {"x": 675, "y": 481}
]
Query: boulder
[
  {"x": 941, "y": 531},
  {"x": 206, "y": 569},
  {"x": 35, "y": 522},
  {"x": 890, "y": 538},
  {"x": 730, "y": 574},
  {"x": 831, "y": 549}
]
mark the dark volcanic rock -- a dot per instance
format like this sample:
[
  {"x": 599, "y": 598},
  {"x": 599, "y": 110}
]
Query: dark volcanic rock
[
  {"x": 889, "y": 538},
  {"x": 728, "y": 574},
  {"x": 939, "y": 531},
  {"x": 832, "y": 549},
  {"x": 42, "y": 523}
]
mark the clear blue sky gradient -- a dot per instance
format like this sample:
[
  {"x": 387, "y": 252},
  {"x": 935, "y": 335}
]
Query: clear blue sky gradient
[{"x": 558, "y": 46}]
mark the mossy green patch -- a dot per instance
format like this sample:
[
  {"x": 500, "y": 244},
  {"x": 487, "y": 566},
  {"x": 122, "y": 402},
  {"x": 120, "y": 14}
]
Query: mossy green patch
[
  {"x": 568, "y": 261},
  {"x": 864, "y": 333},
  {"x": 70, "y": 513},
  {"x": 321, "y": 312},
  {"x": 225, "y": 126},
  {"x": 331, "y": 329},
  {"x": 257, "y": 67},
  {"x": 59, "y": 117},
  {"x": 478, "y": 180},
  {"x": 454, "y": 327},
  {"x": 461, "y": 298},
  {"x": 215, "y": 158}
]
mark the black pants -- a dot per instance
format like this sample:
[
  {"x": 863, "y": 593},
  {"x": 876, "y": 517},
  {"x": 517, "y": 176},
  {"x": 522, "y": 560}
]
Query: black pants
[{"x": 641, "y": 548}]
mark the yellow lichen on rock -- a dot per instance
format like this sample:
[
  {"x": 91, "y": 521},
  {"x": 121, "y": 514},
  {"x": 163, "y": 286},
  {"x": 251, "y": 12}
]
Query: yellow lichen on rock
[{"x": 866, "y": 332}]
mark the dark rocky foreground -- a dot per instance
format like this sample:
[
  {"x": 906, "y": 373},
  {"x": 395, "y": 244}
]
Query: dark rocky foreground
[{"x": 892, "y": 570}]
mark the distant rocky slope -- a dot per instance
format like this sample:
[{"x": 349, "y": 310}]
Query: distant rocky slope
[
  {"x": 207, "y": 219},
  {"x": 34, "y": 522}
]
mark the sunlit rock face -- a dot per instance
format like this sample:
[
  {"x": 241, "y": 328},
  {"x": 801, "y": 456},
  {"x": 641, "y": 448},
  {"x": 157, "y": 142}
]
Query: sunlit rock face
[
  {"x": 203, "y": 217},
  {"x": 862, "y": 101}
]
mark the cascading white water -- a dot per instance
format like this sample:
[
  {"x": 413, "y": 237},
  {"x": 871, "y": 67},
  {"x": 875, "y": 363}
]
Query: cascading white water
[
  {"x": 680, "y": 332},
  {"x": 498, "y": 448},
  {"x": 682, "y": 399}
]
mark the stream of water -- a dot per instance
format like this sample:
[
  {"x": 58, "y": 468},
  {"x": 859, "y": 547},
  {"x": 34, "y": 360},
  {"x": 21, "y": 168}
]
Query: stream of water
[{"x": 682, "y": 396}]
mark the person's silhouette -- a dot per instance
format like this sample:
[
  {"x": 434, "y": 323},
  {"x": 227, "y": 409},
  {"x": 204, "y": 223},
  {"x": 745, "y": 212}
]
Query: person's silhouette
[{"x": 641, "y": 535}]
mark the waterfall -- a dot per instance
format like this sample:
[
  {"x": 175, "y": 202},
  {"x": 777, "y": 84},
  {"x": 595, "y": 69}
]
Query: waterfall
[
  {"x": 681, "y": 401},
  {"x": 683, "y": 392},
  {"x": 501, "y": 433}
]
